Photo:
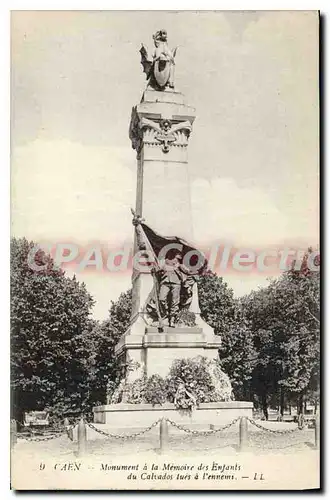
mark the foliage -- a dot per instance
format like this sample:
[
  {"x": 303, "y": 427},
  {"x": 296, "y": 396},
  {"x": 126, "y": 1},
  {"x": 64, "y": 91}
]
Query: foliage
[
  {"x": 106, "y": 369},
  {"x": 136, "y": 391},
  {"x": 194, "y": 381},
  {"x": 238, "y": 354},
  {"x": 190, "y": 382},
  {"x": 223, "y": 313},
  {"x": 186, "y": 318},
  {"x": 270, "y": 338},
  {"x": 216, "y": 302},
  {"x": 142, "y": 390},
  {"x": 284, "y": 319},
  {"x": 221, "y": 382},
  {"x": 155, "y": 390},
  {"x": 50, "y": 324},
  {"x": 190, "y": 378}
]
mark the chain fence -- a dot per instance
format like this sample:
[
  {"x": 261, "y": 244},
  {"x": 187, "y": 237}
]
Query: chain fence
[
  {"x": 123, "y": 436},
  {"x": 202, "y": 433},
  {"x": 44, "y": 438},
  {"x": 243, "y": 436},
  {"x": 273, "y": 431},
  {"x": 251, "y": 438},
  {"x": 47, "y": 434}
]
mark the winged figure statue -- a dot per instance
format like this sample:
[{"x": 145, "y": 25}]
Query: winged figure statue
[{"x": 159, "y": 67}]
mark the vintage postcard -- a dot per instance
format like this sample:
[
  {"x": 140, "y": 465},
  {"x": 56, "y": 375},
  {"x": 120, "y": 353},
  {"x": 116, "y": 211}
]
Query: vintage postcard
[{"x": 165, "y": 265}]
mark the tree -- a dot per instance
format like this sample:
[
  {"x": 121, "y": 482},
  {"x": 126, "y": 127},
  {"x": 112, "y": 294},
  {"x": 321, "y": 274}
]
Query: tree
[
  {"x": 302, "y": 349},
  {"x": 106, "y": 368},
  {"x": 216, "y": 302},
  {"x": 284, "y": 319},
  {"x": 225, "y": 314},
  {"x": 238, "y": 355},
  {"x": 50, "y": 321},
  {"x": 260, "y": 309}
]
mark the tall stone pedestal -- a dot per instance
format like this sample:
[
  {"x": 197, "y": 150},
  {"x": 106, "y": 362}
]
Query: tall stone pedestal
[
  {"x": 159, "y": 130},
  {"x": 154, "y": 352}
]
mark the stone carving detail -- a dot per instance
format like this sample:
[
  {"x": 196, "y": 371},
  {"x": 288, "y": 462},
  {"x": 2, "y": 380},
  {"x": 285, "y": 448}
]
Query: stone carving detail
[
  {"x": 165, "y": 133},
  {"x": 159, "y": 67}
]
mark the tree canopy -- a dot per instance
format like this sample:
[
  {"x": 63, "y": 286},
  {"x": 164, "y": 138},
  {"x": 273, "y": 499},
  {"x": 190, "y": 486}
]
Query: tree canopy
[
  {"x": 106, "y": 369},
  {"x": 50, "y": 319},
  {"x": 285, "y": 323},
  {"x": 64, "y": 361}
]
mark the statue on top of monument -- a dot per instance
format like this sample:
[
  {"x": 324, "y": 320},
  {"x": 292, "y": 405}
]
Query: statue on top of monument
[{"x": 159, "y": 68}]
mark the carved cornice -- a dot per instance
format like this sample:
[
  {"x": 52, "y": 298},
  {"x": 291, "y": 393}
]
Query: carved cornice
[{"x": 161, "y": 133}]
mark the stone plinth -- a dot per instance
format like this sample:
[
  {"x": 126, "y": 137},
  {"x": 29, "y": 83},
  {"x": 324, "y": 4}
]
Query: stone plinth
[
  {"x": 141, "y": 415},
  {"x": 155, "y": 351}
]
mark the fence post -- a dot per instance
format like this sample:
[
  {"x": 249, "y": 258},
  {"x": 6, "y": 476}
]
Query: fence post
[
  {"x": 163, "y": 435},
  {"x": 69, "y": 430},
  {"x": 317, "y": 431},
  {"x": 13, "y": 433},
  {"x": 243, "y": 433},
  {"x": 82, "y": 437}
]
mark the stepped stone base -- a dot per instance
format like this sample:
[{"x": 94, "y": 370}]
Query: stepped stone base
[{"x": 125, "y": 415}]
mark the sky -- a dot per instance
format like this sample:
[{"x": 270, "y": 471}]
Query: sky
[{"x": 253, "y": 153}]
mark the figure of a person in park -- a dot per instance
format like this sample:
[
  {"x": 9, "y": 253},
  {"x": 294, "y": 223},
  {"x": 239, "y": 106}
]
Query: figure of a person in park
[{"x": 172, "y": 276}]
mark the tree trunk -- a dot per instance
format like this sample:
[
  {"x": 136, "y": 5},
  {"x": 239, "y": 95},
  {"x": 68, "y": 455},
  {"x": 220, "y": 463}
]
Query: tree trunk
[
  {"x": 282, "y": 401},
  {"x": 300, "y": 403},
  {"x": 264, "y": 406}
]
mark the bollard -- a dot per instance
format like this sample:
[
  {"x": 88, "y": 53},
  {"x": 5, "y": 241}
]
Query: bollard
[
  {"x": 13, "y": 432},
  {"x": 317, "y": 431},
  {"x": 82, "y": 437},
  {"x": 69, "y": 430},
  {"x": 243, "y": 434},
  {"x": 301, "y": 421},
  {"x": 163, "y": 435}
]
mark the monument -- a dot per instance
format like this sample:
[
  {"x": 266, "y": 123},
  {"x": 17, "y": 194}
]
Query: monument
[{"x": 166, "y": 323}]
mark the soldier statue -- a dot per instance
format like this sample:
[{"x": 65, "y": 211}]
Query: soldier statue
[
  {"x": 173, "y": 277},
  {"x": 173, "y": 281}
]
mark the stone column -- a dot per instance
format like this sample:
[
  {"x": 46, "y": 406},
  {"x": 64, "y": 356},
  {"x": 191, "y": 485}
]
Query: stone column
[{"x": 160, "y": 128}]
